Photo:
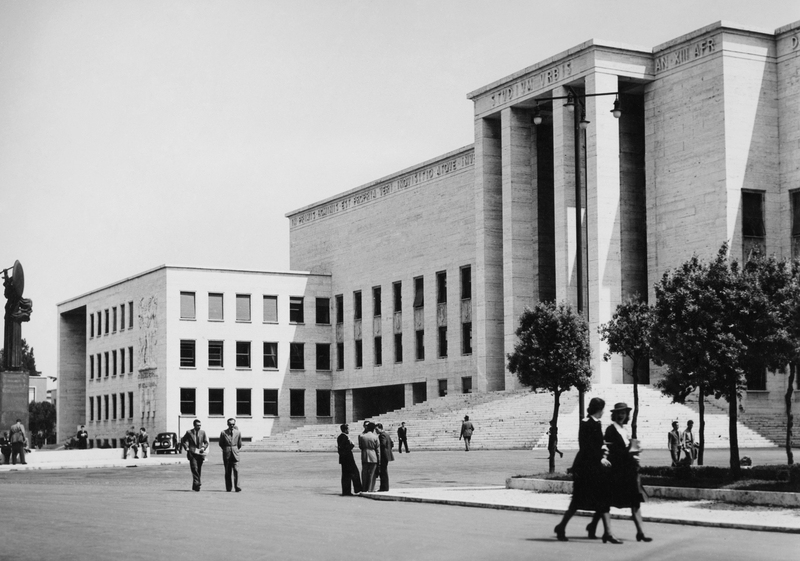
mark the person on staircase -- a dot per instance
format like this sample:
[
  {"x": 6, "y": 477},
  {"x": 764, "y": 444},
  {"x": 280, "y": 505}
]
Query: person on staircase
[{"x": 467, "y": 428}]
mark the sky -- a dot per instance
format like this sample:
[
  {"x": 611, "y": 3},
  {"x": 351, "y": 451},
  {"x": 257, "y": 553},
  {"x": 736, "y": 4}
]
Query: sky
[{"x": 140, "y": 133}]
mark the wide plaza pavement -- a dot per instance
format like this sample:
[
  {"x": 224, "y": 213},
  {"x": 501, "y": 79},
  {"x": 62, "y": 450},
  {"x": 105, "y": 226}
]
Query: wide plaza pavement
[{"x": 291, "y": 509}]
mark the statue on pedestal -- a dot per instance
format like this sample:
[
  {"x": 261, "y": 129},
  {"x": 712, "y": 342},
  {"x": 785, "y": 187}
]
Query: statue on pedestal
[{"x": 18, "y": 310}]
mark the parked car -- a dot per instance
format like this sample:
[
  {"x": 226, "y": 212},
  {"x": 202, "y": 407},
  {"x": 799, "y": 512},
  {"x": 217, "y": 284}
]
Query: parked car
[{"x": 166, "y": 443}]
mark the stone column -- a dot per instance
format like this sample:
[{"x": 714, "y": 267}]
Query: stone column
[
  {"x": 564, "y": 200},
  {"x": 488, "y": 320},
  {"x": 409, "y": 395},
  {"x": 518, "y": 221},
  {"x": 603, "y": 205}
]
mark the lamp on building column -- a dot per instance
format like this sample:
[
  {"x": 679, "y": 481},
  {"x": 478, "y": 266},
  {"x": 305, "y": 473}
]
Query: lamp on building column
[
  {"x": 537, "y": 115},
  {"x": 617, "y": 111}
]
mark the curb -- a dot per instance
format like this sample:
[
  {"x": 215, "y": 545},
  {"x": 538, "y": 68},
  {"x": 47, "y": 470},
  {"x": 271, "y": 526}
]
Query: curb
[
  {"x": 560, "y": 511},
  {"x": 89, "y": 465}
]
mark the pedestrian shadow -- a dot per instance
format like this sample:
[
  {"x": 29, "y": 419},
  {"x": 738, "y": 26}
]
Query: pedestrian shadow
[{"x": 554, "y": 539}]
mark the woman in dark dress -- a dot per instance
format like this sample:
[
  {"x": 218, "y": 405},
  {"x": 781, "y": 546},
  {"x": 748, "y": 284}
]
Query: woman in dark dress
[
  {"x": 589, "y": 489},
  {"x": 626, "y": 490}
]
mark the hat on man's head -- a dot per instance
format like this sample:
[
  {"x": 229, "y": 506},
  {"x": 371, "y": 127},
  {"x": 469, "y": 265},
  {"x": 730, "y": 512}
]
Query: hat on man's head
[{"x": 621, "y": 406}]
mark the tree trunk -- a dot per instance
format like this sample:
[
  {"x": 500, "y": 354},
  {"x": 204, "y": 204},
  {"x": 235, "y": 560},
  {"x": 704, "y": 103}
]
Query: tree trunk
[
  {"x": 701, "y": 401},
  {"x": 634, "y": 421},
  {"x": 789, "y": 416},
  {"x": 551, "y": 444},
  {"x": 733, "y": 410}
]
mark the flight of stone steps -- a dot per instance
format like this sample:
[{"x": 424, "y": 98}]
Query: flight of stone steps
[
  {"x": 656, "y": 413},
  {"x": 519, "y": 420}
]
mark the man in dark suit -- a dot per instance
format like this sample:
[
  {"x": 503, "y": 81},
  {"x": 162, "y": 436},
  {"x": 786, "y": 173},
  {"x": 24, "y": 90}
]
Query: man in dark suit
[
  {"x": 230, "y": 441},
  {"x": 402, "y": 438},
  {"x": 195, "y": 442},
  {"x": 387, "y": 456},
  {"x": 348, "y": 463},
  {"x": 83, "y": 438}
]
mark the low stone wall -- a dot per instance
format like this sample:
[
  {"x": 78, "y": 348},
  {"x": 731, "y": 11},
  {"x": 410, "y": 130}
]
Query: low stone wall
[
  {"x": 765, "y": 498},
  {"x": 60, "y": 456}
]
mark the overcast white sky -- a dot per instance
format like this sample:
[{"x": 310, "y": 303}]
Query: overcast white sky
[{"x": 138, "y": 133}]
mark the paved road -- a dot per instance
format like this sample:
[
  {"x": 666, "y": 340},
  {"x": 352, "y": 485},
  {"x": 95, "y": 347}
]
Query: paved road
[{"x": 290, "y": 509}]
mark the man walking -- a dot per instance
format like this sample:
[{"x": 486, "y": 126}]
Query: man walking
[
  {"x": 687, "y": 443},
  {"x": 370, "y": 457},
  {"x": 230, "y": 441},
  {"x": 18, "y": 442},
  {"x": 83, "y": 438},
  {"x": 402, "y": 438},
  {"x": 348, "y": 463},
  {"x": 467, "y": 428},
  {"x": 387, "y": 456},
  {"x": 195, "y": 442},
  {"x": 674, "y": 443},
  {"x": 143, "y": 439}
]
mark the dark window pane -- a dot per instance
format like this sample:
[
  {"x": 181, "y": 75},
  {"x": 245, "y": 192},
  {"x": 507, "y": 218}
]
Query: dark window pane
[
  {"x": 466, "y": 338},
  {"x": 357, "y": 305},
  {"x": 466, "y": 283},
  {"x": 323, "y": 356},
  {"x": 324, "y": 311},
  {"x": 215, "y": 307},
  {"x": 296, "y": 356},
  {"x": 242, "y": 354},
  {"x": 442, "y": 341},
  {"x": 130, "y": 315},
  {"x": 378, "y": 351},
  {"x": 340, "y": 356},
  {"x": 187, "y": 353},
  {"x": 296, "y": 309},
  {"x": 795, "y": 201},
  {"x": 339, "y": 308},
  {"x": 215, "y": 354},
  {"x": 398, "y": 347},
  {"x": 323, "y": 403},
  {"x": 359, "y": 354},
  {"x": 753, "y": 214},
  {"x": 376, "y": 301},
  {"x": 270, "y": 355},
  {"x": 187, "y": 306},
  {"x": 420, "y": 345},
  {"x": 297, "y": 403},
  {"x": 271, "y": 402},
  {"x": 216, "y": 401},
  {"x": 398, "y": 296},
  {"x": 243, "y": 408},
  {"x": 441, "y": 287},
  {"x": 187, "y": 401},
  {"x": 271, "y": 309},
  {"x": 419, "y": 292}
]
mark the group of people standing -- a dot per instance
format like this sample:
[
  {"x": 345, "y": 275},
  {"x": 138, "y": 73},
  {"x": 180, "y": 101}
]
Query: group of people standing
[
  {"x": 376, "y": 452},
  {"x": 195, "y": 442},
  {"x": 605, "y": 473},
  {"x": 13, "y": 444},
  {"x": 682, "y": 442}
]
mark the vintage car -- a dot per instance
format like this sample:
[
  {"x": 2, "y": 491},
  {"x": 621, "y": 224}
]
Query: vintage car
[{"x": 166, "y": 443}]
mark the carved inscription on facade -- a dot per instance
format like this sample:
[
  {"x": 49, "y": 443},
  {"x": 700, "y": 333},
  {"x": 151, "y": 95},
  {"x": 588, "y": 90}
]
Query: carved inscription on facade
[
  {"x": 385, "y": 189},
  {"x": 532, "y": 83},
  {"x": 686, "y": 54}
]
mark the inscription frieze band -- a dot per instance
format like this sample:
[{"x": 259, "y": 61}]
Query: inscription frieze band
[
  {"x": 685, "y": 54},
  {"x": 385, "y": 189},
  {"x": 532, "y": 83}
]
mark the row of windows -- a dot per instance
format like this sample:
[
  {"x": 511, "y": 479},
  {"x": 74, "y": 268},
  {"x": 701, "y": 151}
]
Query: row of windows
[
  {"x": 397, "y": 293},
  {"x": 113, "y": 320},
  {"x": 106, "y": 364},
  {"x": 216, "y": 308},
  {"x": 110, "y": 407},
  {"x": 244, "y": 402}
]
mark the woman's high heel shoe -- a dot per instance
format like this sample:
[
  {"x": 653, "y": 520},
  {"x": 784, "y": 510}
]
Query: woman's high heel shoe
[
  {"x": 640, "y": 537},
  {"x": 591, "y": 531},
  {"x": 610, "y": 539},
  {"x": 560, "y": 533}
]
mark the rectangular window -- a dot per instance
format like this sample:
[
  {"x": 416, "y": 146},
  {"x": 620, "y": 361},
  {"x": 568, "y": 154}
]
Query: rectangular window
[
  {"x": 296, "y": 309},
  {"x": 466, "y": 338},
  {"x": 323, "y": 356},
  {"x": 99, "y": 409},
  {"x": 122, "y": 406},
  {"x": 130, "y": 405},
  {"x": 357, "y": 305},
  {"x": 108, "y": 364},
  {"x": 107, "y": 322},
  {"x": 242, "y": 354},
  {"x": 442, "y": 341},
  {"x": 466, "y": 283},
  {"x": 130, "y": 359},
  {"x": 441, "y": 287},
  {"x": 91, "y": 325},
  {"x": 99, "y": 365},
  {"x": 130, "y": 315},
  {"x": 270, "y": 403},
  {"x": 398, "y": 347},
  {"x": 376, "y": 301},
  {"x": 756, "y": 380},
  {"x": 753, "y": 230},
  {"x": 297, "y": 403},
  {"x": 270, "y": 309},
  {"x": 398, "y": 296},
  {"x": 420, "y": 344},
  {"x": 296, "y": 356},
  {"x": 187, "y": 353},
  {"x": 91, "y": 367},
  {"x": 324, "y": 311},
  {"x": 91, "y": 409},
  {"x": 122, "y": 361},
  {"x": 114, "y": 406},
  {"x": 243, "y": 407},
  {"x": 108, "y": 410},
  {"x": 243, "y": 307},
  {"x": 216, "y": 309},
  {"x": 270, "y": 355},
  {"x": 99, "y": 323},
  {"x": 113, "y": 363},
  {"x": 359, "y": 354},
  {"x": 122, "y": 317},
  {"x": 114, "y": 319},
  {"x": 339, "y": 309},
  {"x": 442, "y": 388},
  {"x": 187, "y": 305},
  {"x": 216, "y": 401},
  {"x": 323, "y": 403},
  {"x": 378, "y": 351},
  {"x": 216, "y": 354},
  {"x": 339, "y": 356},
  {"x": 419, "y": 292},
  {"x": 795, "y": 204}
]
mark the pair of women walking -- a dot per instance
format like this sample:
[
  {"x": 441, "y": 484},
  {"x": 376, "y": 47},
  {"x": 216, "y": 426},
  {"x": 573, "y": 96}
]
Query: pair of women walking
[{"x": 605, "y": 473}]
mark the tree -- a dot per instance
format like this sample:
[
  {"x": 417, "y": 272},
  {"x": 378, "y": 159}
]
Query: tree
[
  {"x": 28, "y": 360},
  {"x": 628, "y": 334},
  {"x": 42, "y": 417},
  {"x": 713, "y": 324},
  {"x": 552, "y": 355}
]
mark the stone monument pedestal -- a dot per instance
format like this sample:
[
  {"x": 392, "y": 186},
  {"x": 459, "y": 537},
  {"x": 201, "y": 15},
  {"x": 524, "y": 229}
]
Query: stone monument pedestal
[{"x": 13, "y": 399}]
